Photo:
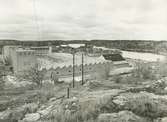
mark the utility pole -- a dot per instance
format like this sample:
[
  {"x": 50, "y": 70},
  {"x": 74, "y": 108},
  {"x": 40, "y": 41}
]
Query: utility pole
[
  {"x": 73, "y": 83},
  {"x": 68, "y": 92},
  {"x": 82, "y": 69}
]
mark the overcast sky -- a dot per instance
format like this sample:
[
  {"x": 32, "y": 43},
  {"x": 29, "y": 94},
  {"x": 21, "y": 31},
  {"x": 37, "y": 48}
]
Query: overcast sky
[{"x": 83, "y": 19}]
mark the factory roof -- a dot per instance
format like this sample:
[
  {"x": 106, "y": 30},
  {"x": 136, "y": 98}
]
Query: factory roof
[{"x": 65, "y": 59}]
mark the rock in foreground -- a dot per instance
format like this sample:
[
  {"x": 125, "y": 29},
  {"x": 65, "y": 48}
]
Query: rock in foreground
[{"x": 123, "y": 116}]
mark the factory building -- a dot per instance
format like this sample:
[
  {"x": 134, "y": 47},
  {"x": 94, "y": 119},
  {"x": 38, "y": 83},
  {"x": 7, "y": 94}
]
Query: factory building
[
  {"x": 23, "y": 60},
  {"x": 19, "y": 58}
]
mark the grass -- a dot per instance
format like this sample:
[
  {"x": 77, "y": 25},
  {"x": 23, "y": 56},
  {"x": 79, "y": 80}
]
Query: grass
[
  {"x": 88, "y": 111},
  {"x": 88, "y": 114}
]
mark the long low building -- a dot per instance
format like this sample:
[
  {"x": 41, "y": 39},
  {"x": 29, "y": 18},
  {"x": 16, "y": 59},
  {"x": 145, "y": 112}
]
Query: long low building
[
  {"x": 59, "y": 67},
  {"x": 55, "y": 60}
]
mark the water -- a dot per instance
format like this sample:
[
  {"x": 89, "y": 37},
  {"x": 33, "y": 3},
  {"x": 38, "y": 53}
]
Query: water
[
  {"x": 150, "y": 57},
  {"x": 143, "y": 56}
]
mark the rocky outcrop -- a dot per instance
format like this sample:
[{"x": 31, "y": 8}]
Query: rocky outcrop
[
  {"x": 4, "y": 105},
  {"x": 71, "y": 105},
  {"x": 33, "y": 117},
  {"x": 161, "y": 119},
  {"x": 52, "y": 106},
  {"x": 123, "y": 116},
  {"x": 143, "y": 104},
  {"x": 18, "y": 113},
  {"x": 5, "y": 115}
]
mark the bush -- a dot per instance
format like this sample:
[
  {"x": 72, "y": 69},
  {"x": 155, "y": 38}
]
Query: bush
[
  {"x": 127, "y": 79},
  {"x": 87, "y": 112},
  {"x": 161, "y": 69},
  {"x": 45, "y": 94},
  {"x": 143, "y": 70},
  {"x": 34, "y": 75},
  {"x": 117, "y": 79}
]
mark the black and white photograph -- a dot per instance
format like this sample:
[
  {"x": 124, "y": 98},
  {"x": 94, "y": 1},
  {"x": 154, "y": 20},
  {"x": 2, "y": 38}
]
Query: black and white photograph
[{"x": 83, "y": 60}]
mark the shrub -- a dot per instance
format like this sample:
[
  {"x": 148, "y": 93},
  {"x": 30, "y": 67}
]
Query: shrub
[
  {"x": 143, "y": 70},
  {"x": 87, "y": 112},
  {"x": 161, "y": 69},
  {"x": 34, "y": 75},
  {"x": 117, "y": 79}
]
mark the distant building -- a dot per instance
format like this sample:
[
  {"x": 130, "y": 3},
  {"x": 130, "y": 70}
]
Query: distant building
[{"x": 42, "y": 50}]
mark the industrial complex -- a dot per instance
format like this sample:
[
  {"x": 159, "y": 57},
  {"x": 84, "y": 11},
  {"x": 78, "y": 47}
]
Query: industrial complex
[{"x": 65, "y": 61}]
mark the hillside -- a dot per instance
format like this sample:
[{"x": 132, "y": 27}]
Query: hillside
[{"x": 139, "y": 97}]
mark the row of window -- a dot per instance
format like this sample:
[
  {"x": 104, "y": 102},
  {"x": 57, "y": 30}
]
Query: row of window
[{"x": 27, "y": 53}]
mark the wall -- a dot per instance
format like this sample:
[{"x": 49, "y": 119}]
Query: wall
[
  {"x": 7, "y": 53},
  {"x": 23, "y": 60}
]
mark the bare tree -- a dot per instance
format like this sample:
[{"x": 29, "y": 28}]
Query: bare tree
[{"x": 34, "y": 75}]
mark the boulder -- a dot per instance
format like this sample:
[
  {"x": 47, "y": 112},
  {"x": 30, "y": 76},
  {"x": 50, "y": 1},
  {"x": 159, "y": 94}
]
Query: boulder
[
  {"x": 161, "y": 119},
  {"x": 51, "y": 107},
  {"x": 48, "y": 110},
  {"x": 101, "y": 100},
  {"x": 164, "y": 119},
  {"x": 19, "y": 112},
  {"x": 71, "y": 104},
  {"x": 45, "y": 112},
  {"x": 4, "y": 105},
  {"x": 33, "y": 117},
  {"x": 123, "y": 116},
  {"x": 165, "y": 88},
  {"x": 5, "y": 115}
]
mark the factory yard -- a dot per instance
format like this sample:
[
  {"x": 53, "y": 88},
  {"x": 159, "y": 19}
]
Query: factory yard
[{"x": 139, "y": 97}]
